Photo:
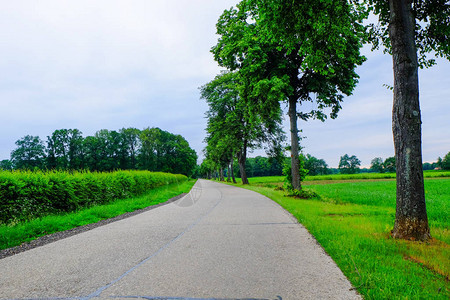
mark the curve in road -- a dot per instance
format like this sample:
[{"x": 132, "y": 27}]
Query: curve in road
[{"x": 217, "y": 242}]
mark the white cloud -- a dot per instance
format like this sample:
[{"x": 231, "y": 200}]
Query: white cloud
[{"x": 137, "y": 63}]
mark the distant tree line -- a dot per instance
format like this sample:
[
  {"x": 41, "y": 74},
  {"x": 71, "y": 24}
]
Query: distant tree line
[
  {"x": 348, "y": 164},
  {"x": 150, "y": 149}
]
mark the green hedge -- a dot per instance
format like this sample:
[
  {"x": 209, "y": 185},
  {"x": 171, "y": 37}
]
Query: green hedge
[{"x": 26, "y": 195}]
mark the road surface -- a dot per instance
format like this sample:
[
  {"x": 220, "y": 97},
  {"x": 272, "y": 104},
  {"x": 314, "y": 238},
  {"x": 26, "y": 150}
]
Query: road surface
[{"x": 218, "y": 242}]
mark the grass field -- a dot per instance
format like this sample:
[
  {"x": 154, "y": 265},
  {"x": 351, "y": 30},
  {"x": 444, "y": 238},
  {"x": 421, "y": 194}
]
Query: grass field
[
  {"x": 13, "y": 235},
  {"x": 278, "y": 180},
  {"x": 352, "y": 220}
]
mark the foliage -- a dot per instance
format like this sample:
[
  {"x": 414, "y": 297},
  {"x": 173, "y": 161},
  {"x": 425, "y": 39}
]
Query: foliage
[
  {"x": 445, "y": 164},
  {"x": 127, "y": 149},
  {"x": 349, "y": 164},
  {"x": 315, "y": 166},
  {"x": 17, "y": 234},
  {"x": 26, "y": 195},
  {"x": 29, "y": 154},
  {"x": 380, "y": 166},
  {"x": 287, "y": 172},
  {"x": 294, "y": 52},
  {"x": 64, "y": 149},
  {"x": 6, "y": 165},
  {"x": 376, "y": 165},
  {"x": 352, "y": 222},
  {"x": 432, "y": 28},
  {"x": 166, "y": 152},
  {"x": 233, "y": 127},
  {"x": 389, "y": 164}
]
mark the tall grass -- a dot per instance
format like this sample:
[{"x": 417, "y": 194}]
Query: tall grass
[
  {"x": 26, "y": 195},
  {"x": 352, "y": 221}
]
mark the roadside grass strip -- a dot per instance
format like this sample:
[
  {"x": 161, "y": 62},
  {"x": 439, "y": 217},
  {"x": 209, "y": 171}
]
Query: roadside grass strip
[
  {"x": 16, "y": 234},
  {"x": 352, "y": 221}
]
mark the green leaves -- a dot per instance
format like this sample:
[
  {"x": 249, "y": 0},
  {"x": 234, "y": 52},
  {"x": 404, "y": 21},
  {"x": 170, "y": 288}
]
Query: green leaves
[
  {"x": 432, "y": 31},
  {"x": 108, "y": 150},
  {"x": 349, "y": 164},
  {"x": 25, "y": 195}
]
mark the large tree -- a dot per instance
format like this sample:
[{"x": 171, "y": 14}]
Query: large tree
[
  {"x": 234, "y": 127},
  {"x": 29, "y": 154},
  {"x": 293, "y": 51},
  {"x": 166, "y": 152},
  {"x": 65, "y": 149},
  {"x": 409, "y": 30},
  {"x": 315, "y": 166},
  {"x": 349, "y": 164},
  {"x": 129, "y": 146}
]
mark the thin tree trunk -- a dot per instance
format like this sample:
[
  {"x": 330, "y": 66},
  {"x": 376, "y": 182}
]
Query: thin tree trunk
[
  {"x": 411, "y": 220},
  {"x": 242, "y": 157},
  {"x": 228, "y": 173},
  {"x": 232, "y": 169},
  {"x": 221, "y": 174},
  {"x": 295, "y": 171}
]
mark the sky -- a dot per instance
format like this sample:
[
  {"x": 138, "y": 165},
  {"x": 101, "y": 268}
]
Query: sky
[{"x": 108, "y": 64}]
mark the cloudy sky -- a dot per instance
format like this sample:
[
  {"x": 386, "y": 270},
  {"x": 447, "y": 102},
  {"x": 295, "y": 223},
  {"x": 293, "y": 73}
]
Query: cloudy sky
[{"x": 109, "y": 64}]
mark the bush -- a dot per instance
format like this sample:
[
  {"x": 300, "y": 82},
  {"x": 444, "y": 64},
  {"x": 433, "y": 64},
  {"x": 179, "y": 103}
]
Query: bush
[
  {"x": 26, "y": 195},
  {"x": 287, "y": 172}
]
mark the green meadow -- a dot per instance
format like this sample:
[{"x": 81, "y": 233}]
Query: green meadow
[{"x": 352, "y": 218}]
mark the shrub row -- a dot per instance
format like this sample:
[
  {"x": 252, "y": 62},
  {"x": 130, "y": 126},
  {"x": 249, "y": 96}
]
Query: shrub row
[{"x": 26, "y": 195}]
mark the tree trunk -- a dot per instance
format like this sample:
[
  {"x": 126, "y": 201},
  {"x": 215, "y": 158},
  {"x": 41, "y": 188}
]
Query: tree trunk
[
  {"x": 221, "y": 174},
  {"x": 228, "y": 173},
  {"x": 232, "y": 169},
  {"x": 294, "y": 144},
  {"x": 411, "y": 220},
  {"x": 242, "y": 157}
]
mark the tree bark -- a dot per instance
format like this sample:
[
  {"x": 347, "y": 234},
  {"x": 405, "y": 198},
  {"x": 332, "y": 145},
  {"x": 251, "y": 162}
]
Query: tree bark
[
  {"x": 221, "y": 174},
  {"x": 228, "y": 173},
  {"x": 242, "y": 157},
  {"x": 411, "y": 220},
  {"x": 232, "y": 169},
  {"x": 295, "y": 171}
]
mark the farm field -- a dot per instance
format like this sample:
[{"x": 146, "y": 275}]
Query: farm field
[
  {"x": 278, "y": 180},
  {"x": 34, "y": 204},
  {"x": 352, "y": 220}
]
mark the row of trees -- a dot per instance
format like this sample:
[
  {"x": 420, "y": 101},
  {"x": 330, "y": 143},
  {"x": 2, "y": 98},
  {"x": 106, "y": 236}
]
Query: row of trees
[
  {"x": 298, "y": 51},
  {"x": 440, "y": 164},
  {"x": 263, "y": 166},
  {"x": 150, "y": 149}
]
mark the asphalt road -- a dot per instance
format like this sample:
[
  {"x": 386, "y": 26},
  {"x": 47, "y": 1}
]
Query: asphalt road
[{"x": 218, "y": 242}]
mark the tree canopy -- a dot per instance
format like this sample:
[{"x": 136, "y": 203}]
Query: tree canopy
[
  {"x": 150, "y": 149},
  {"x": 349, "y": 164},
  {"x": 233, "y": 127},
  {"x": 292, "y": 51}
]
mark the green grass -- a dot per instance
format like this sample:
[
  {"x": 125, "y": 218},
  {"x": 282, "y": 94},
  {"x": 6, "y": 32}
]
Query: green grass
[
  {"x": 352, "y": 221},
  {"x": 14, "y": 235},
  {"x": 28, "y": 195},
  {"x": 277, "y": 180}
]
